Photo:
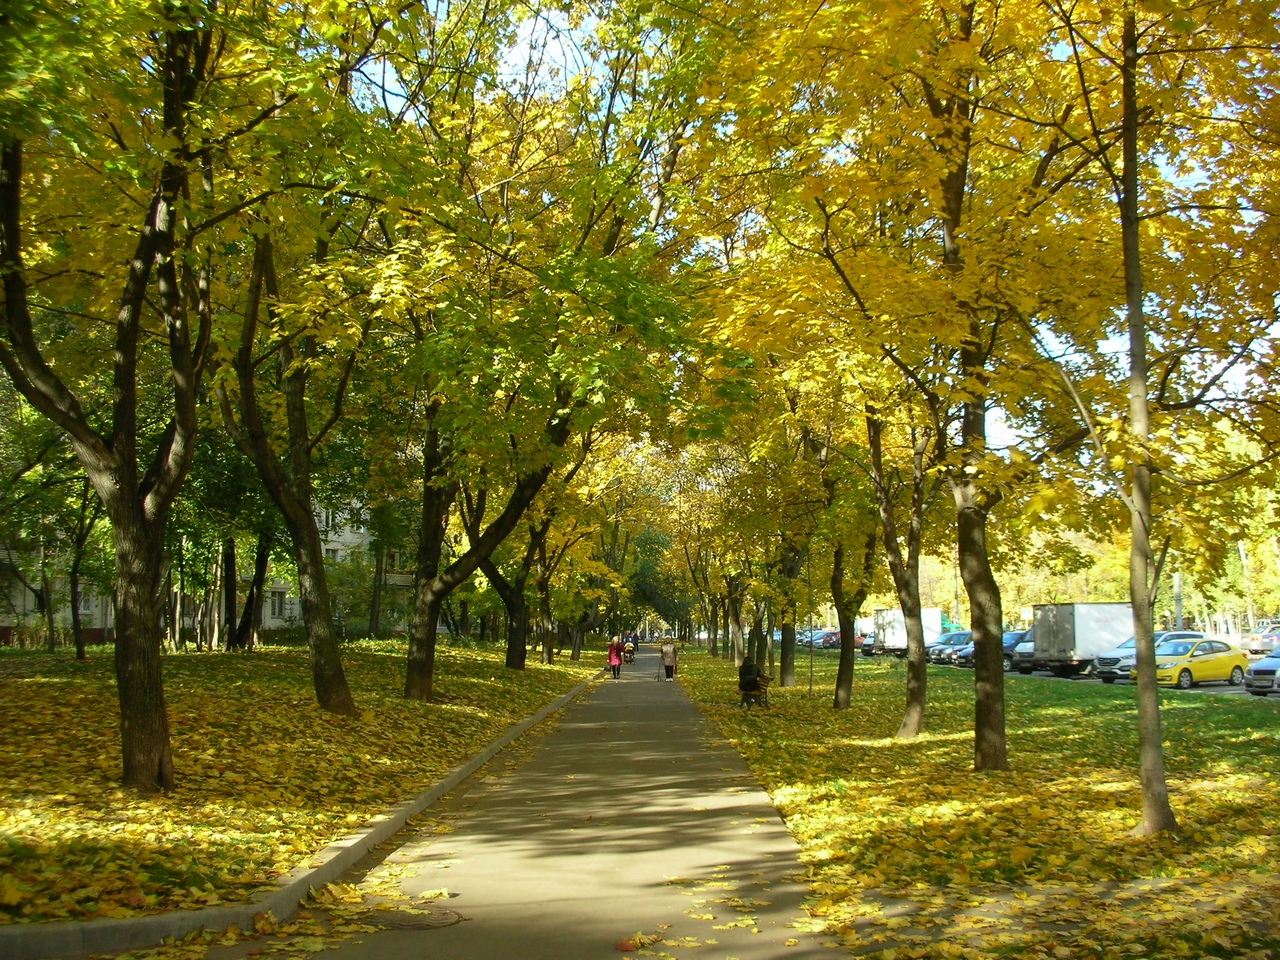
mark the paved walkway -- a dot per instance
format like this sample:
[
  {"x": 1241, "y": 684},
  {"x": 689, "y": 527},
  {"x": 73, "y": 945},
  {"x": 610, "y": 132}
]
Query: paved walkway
[{"x": 629, "y": 816}]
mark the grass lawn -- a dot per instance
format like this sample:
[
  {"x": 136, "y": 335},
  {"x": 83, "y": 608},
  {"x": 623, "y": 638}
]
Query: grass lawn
[
  {"x": 265, "y": 778},
  {"x": 904, "y": 844}
]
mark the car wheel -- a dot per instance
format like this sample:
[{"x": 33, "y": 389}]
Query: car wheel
[
  {"x": 1107, "y": 679},
  {"x": 1008, "y": 663},
  {"x": 1025, "y": 671},
  {"x": 1258, "y": 693},
  {"x": 1237, "y": 677},
  {"x": 1184, "y": 680}
]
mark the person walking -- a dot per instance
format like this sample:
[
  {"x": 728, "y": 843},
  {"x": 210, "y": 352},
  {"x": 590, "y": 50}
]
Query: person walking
[
  {"x": 615, "y": 657},
  {"x": 668, "y": 654}
]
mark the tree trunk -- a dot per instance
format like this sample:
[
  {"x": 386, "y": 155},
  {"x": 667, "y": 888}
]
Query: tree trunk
[
  {"x": 755, "y": 641},
  {"x": 1157, "y": 815},
  {"x": 290, "y": 487},
  {"x": 847, "y": 610},
  {"x": 905, "y": 569},
  {"x": 77, "y": 628},
  {"x": 375, "y": 605},
  {"x": 251, "y": 618},
  {"x": 433, "y": 584},
  {"x": 90, "y": 510},
  {"x": 734, "y": 607},
  {"x": 986, "y": 620},
  {"x": 144, "y": 721},
  {"x": 792, "y": 564},
  {"x": 230, "y": 604},
  {"x": 46, "y": 607},
  {"x": 512, "y": 594}
]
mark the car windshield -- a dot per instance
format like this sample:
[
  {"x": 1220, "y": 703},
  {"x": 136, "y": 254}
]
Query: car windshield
[
  {"x": 1175, "y": 648},
  {"x": 1128, "y": 644}
]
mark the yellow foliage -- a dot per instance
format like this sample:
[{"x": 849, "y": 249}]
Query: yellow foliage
[{"x": 901, "y": 837}]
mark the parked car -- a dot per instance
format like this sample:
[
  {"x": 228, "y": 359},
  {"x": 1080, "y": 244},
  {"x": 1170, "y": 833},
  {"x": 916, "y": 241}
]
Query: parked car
[
  {"x": 1112, "y": 665},
  {"x": 1263, "y": 644},
  {"x": 1262, "y": 677},
  {"x": 827, "y": 640},
  {"x": 1009, "y": 641},
  {"x": 1024, "y": 655},
  {"x": 1183, "y": 663},
  {"x": 964, "y": 656},
  {"x": 935, "y": 651}
]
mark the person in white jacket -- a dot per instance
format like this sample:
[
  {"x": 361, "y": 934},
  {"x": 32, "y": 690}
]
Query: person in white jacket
[{"x": 668, "y": 654}]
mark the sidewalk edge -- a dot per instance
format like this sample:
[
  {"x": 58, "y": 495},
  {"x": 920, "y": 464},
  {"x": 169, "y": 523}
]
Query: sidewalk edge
[{"x": 45, "y": 941}]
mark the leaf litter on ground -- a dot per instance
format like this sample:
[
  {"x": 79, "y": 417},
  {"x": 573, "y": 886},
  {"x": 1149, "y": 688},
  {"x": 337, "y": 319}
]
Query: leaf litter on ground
[
  {"x": 910, "y": 853},
  {"x": 265, "y": 778}
]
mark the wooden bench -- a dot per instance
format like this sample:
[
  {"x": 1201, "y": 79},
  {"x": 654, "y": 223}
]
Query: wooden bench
[{"x": 761, "y": 696}]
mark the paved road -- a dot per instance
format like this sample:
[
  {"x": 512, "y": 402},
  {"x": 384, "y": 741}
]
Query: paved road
[{"x": 628, "y": 816}]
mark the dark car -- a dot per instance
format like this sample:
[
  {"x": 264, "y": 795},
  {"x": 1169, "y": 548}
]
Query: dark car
[
  {"x": 1010, "y": 640},
  {"x": 964, "y": 656},
  {"x": 936, "y": 652}
]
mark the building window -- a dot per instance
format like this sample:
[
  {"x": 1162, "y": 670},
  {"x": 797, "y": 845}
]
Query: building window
[
  {"x": 331, "y": 553},
  {"x": 277, "y": 605}
]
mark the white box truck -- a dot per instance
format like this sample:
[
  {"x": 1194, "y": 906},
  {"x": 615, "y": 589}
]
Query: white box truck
[
  {"x": 891, "y": 629},
  {"x": 1069, "y": 635}
]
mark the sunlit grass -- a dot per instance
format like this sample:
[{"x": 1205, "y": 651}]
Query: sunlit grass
[{"x": 877, "y": 817}]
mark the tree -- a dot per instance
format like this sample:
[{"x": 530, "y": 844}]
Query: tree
[
  {"x": 1200, "y": 70},
  {"x": 288, "y": 478},
  {"x": 136, "y": 475}
]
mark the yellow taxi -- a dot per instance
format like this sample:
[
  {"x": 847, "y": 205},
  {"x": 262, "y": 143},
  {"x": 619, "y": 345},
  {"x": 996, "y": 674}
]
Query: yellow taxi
[{"x": 1181, "y": 663}]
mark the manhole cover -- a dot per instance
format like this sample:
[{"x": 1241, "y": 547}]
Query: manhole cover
[{"x": 398, "y": 920}]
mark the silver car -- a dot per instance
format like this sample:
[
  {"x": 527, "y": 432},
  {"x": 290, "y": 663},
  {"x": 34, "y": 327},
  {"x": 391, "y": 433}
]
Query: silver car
[{"x": 1260, "y": 678}]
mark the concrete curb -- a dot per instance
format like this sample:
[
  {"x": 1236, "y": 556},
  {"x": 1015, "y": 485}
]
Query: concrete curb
[{"x": 41, "y": 941}]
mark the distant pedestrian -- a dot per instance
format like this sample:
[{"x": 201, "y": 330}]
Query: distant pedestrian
[
  {"x": 668, "y": 653},
  {"x": 615, "y": 657}
]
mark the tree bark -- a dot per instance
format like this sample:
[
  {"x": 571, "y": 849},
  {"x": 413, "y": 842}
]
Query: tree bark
[
  {"x": 734, "y": 643},
  {"x": 986, "y": 622},
  {"x": 139, "y": 543}
]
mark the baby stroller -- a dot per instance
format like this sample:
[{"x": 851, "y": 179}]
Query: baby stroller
[{"x": 629, "y": 653}]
